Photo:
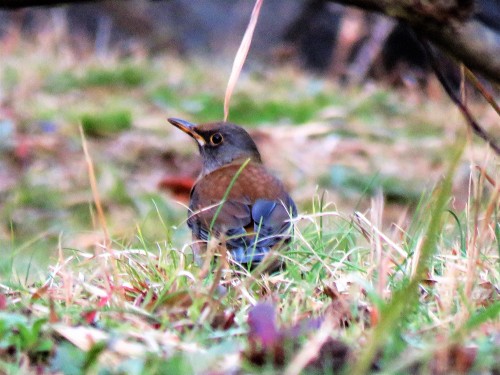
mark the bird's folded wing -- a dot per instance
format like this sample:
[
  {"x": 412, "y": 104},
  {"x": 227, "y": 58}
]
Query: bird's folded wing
[
  {"x": 272, "y": 220},
  {"x": 230, "y": 220}
]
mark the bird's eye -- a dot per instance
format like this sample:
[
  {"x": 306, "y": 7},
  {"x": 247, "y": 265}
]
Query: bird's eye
[{"x": 216, "y": 139}]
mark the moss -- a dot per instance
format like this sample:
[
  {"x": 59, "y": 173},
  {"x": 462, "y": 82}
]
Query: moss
[
  {"x": 106, "y": 122},
  {"x": 120, "y": 76},
  {"x": 125, "y": 75}
]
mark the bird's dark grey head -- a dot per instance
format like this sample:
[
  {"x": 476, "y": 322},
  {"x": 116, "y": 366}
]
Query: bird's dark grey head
[{"x": 220, "y": 143}]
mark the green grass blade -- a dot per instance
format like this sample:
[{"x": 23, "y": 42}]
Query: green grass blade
[{"x": 406, "y": 297}]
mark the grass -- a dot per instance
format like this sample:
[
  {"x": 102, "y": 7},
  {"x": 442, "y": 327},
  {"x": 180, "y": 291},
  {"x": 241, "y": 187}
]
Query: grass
[
  {"x": 106, "y": 123},
  {"x": 97, "y": 274},
  {"x": 163, "y": 313},
  {"x": 124, "y": 76}
]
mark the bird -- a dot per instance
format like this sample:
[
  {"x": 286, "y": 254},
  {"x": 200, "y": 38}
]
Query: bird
[{"x": 235, "y": 198}]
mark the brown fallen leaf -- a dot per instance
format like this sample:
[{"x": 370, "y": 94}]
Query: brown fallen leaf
[
  {"x": 223, "y": 320},
  {"x": 40, "y": 292},
  {"x": 341, "y": 309},
  {"x": 455, "y": 359},
  {"x": 179, "y": 186},
  {"x": 332, "y": 357},
  {"x": 3, "y": 302}
]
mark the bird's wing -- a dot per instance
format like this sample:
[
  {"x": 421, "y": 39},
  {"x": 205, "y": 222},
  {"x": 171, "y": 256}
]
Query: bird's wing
[
  {"x": 271, "y": 226},
  {"x": 272, "y": 221},
  {"x": 231, "y": 217}
]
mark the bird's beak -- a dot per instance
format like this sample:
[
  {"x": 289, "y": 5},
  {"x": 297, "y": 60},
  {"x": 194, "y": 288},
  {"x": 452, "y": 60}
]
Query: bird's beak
[{"x": 187, "y": 128}]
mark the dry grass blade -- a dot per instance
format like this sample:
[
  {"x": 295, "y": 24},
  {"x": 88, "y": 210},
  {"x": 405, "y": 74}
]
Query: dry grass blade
[
  {"x": 490, "y": 179},
  {"x": 484, "y": 92},
  {"x": 406, "y": 297},
  {"x": 361, "y": 219},
  {"x": 241, "y": 55},
  {"x": 100, "y": 215},
  {"x": 95, "y": 191}
]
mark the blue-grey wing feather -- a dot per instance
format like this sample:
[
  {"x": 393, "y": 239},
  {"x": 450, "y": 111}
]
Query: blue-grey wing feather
[{"x": 271, "y": 221}]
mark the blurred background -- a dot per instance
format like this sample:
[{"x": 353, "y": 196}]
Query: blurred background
[{"x": 341, "y": 102}]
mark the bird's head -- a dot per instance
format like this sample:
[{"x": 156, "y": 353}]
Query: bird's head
[{"x": 220, "y": 143}]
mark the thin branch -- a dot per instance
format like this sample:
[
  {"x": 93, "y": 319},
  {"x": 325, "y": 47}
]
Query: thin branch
[
  {"x": 478, "y": 130},
  {"x": 484, "y": 92},
  {"x": 451, "y": 25},
  {"x": 16, "y": 4}
]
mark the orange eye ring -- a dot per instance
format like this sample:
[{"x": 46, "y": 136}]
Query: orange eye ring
[{"x": 216, "y": 139}]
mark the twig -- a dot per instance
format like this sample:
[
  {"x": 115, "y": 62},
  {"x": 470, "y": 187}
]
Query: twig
[
  {"x": 454, "y": 97},
  {"x": 484, "y": 92}
]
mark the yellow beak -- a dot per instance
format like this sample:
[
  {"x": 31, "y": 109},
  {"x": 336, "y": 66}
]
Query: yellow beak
[{"x": 188, "y": 128}]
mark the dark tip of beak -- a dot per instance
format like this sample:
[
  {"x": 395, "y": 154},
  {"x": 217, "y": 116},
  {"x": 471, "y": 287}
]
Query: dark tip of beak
[
  {"x": 181, "y": 124},
  {"x": 187, "y": 128}
]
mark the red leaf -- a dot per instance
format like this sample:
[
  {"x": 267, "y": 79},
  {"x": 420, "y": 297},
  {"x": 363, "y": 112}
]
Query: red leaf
[
  {"x": 3, "y": 302},
  {"x": 90, "y": 316},
  {"x": 53, "y": 317},
  {"x": 103, "y": 301},
  {"x": 463, "y": 358},
  {"x": 374, "y": 316},
  {"x": 179, "y": 186}
]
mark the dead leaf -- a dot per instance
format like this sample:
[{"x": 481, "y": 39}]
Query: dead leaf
[
  {"x": 223, "y": 320},
  {"x": 332, "y": 357},
  {"x": 39, "y": 293},
  {"x": 179, "y": 186},
  {"x": 85, "y": 338},
  {"x": 453, "y": 360}
]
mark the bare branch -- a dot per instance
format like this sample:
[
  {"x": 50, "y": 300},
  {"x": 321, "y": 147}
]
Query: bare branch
[
  {"x": 471, "y": 122},
  {"x": 448, "y": 24},
  {"x": 16, "y": 4}
]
